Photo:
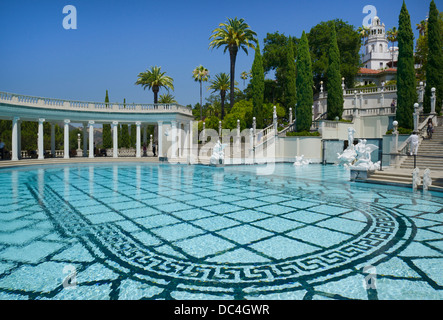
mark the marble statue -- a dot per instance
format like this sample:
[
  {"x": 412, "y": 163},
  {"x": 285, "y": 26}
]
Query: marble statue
[
  {"x": 427, "y": 181},
  {"x": 349, "y": 155},
  {"x": 364, "y": 151},
  {"x": 416, "y": 178},
  {"x": 413, "y": 141},
  {"x": 358, "y": 156},
  {"x": 300, "y": 161},
  {"x": 218, "y": 155},
  {"x": 351, "y": 132}
]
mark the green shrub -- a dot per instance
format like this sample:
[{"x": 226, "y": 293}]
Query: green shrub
[
  {"x": 303, "y": 133},
  {"x": 401, "y": 131}
]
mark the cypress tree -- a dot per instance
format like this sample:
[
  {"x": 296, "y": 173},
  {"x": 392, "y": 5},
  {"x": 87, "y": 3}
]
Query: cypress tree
[
  {"x": 304, "y": 83},
  {"x": 133, "y": 135},
  {"x": 335, "y": 92},
  {"x": 124, "y": 139},
  {"x": 434, "y": 66},
  {"x": 289, "y": 86},
  {"x": 258, "y": 87},
  {"x": 406, "y": 87},
  {"x": 107, "y": 135}
]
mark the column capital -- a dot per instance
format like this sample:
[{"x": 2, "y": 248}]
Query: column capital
[
  {"x": 114, "y": 123},
  {"x": 91, "y": 122},
  {"x": 41, "y": 120},
  {"x": 138, "y": 123},
  {"x": 16, "y": 119},
  {"x": 160, "y": 122},
  {"x": 66, "y": 121}
]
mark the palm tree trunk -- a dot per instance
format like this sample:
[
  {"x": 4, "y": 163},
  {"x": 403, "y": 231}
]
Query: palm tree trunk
[
  {"x": 233, "y": 55},
  {"x": 222, "y": 95},
  {"x": 155, "y": 89},
  {"x": 201, "y": 103}
]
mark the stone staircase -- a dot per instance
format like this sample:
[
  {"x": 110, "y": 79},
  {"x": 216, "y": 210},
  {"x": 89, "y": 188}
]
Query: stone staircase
[
  {"x": 430, "y": 153},
  {"x": 429, "y": 156},
  {"x": 403, "y": 178}
]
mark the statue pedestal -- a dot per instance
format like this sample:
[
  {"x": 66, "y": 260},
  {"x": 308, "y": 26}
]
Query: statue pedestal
[
  {"x": 216, "y": 162},
  {"x": 360, "y": 173}
]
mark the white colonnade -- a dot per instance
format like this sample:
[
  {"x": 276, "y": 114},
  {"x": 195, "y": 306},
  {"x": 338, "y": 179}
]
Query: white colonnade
[{"x": 180, "y": 138}]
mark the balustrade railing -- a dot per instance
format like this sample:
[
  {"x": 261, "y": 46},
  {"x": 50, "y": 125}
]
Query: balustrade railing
[{"x": 91, "y": 106}]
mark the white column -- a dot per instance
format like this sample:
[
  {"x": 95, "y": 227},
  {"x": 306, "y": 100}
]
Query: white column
[
  {"x": 15, "y": 150},
  {"x": 275, "y": 120},
  {"x": 85, "y": 139},
  {"x": 19, "y": 139},
  {"x": 174, "y": 139},
  {"x": 191, "y": 158},
  {"x": 66, "y": 139},
  {"x": 91, "y": 139},
  {"x": 41, "y": 147},
  {"x": 115, "y": 139},
  {"x": 180, "y": 131},
  {"x": 138, "y": 139},
  {"x": 53, "y": 140},
  {"x": 186, "y": 140},
  {"x": 251, "y": 144},
  {"x": 160, "y": 138},
  {"x": 433, "y": 100}
]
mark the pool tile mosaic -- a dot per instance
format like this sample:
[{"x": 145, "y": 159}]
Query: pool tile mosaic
[{"x": 191, "y": 232}]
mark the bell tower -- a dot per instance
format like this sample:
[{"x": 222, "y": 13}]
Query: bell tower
[{"x": 377, "y": 53}]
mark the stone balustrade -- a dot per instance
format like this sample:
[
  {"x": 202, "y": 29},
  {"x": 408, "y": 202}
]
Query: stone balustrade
[
  {"x": 70, "y": 105},
  {"x": 92, "y": 116}
]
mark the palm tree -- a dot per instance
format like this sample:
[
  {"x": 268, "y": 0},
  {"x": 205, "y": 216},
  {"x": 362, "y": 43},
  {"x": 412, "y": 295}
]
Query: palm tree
[
  {"x": 421, "y": 27},
  {"x": 364, "y": 32},
  {"x": 167, "y": 98},
  {"x": 155, "y": 79},
  {"x": 221, "y": 83},
  {"x": 200, "y": 74},
  {"x": 245, "y": 75},
  {"x": 235, "y": 34},
  {"x": 391, "y": 35}
]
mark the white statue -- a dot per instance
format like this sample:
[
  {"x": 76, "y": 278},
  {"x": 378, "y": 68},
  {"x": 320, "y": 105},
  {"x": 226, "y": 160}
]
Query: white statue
[
  {"x": 363, "y": 160},
  {"x": 358, "y": 156},
  {"x": 349, "y": 155},
  {"x": 427, "y": 181},
  {"x": 218, "y": 155},
  {"x": 416, "y": 178},
  {"x": 413, "y": 141},
  {"x": 351, "y": 132},
  {"x": 299, "y": 161}
]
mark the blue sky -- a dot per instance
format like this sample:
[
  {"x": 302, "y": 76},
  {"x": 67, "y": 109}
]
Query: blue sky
[{"x": 115, "y": 40}]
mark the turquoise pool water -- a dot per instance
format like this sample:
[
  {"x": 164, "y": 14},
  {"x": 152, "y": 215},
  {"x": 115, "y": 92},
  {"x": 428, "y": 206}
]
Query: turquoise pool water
[{"x": 151, "y": 231}]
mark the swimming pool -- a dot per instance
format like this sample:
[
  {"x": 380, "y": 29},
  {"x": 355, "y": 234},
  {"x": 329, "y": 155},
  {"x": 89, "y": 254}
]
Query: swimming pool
[{"x": 157, "y": 231}]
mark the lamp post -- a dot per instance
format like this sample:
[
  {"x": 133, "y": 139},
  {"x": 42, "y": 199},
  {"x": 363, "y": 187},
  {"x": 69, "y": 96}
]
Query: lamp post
[{"x": 395, "y": 133}]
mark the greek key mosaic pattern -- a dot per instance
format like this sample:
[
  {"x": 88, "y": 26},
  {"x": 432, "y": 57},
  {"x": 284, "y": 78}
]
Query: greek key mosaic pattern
[{"x": 190, "y": 232}]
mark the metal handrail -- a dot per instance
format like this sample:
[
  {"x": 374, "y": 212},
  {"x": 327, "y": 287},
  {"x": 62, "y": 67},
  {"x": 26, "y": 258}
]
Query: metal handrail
[{"x": 420, "y": 128}]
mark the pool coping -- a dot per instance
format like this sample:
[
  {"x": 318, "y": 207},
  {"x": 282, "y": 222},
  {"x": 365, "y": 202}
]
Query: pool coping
[{"x": 5, "y": 164}]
